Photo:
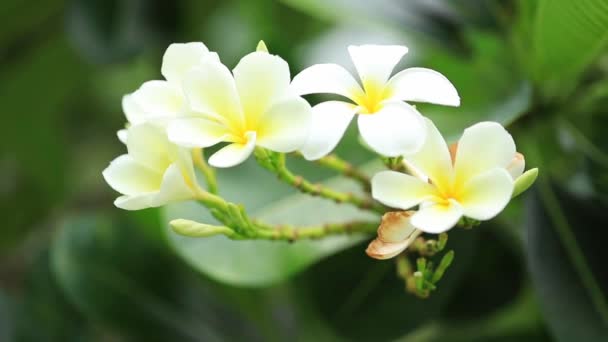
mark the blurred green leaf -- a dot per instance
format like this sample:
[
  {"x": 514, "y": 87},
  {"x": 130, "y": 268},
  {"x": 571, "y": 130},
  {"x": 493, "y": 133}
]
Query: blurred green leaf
[
  {"x": 261, "y": 263},
  {"x": 110, "y": 271},
  {"x": 567, "y": 37},
  {"x": 363, "y": 299},
  {"x": 566, "y": 255},
  {"x": 6, "y": 317},
  {"x": 44, "y": 314}
]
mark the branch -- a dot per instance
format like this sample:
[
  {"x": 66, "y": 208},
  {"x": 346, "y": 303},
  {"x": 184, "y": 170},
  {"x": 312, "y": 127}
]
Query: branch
[{"x": 333, "y": 162}]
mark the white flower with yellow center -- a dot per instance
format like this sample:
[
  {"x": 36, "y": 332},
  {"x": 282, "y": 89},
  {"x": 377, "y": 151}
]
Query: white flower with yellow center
[
  {"x": 153, "y": 173},
  {"x": 475, "y": 183},
  {"x": 158, "y": 101},
  {"x": 253, "y": 107},
  {"x": 386, "y": 123}
]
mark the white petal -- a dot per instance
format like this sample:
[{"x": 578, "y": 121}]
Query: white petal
[
  {"x": 285, "y": 126},
  {"x": 134, "y": 202},
  {"x": 134, "y": 113},
  {"x": 325, "y": 78},
  {"x": 423, "y": 85},
  {"x": 329, "y": 122},
  {"x": 433, "y": 159},
  {"x": 233, "y": 154},
  {"x": 174, "y": 187},
  {"x": 396, "y": 129},
  {"x": 159, "y": 99},
  {"x": 436, "y": 218},
  {"x": 261, "y": 79},
  {"x": 399, "y": 190},
  {"x": 127, "y": 176},
  {"x": 122, "y": 135},
  {"x": 517, "y": 166},
  {"x": 196, "y": 132},
  {"x": 148, "y": 145},
  {"x": 210, "y": 88},
  {"x": 483, "y": 146},
  {"x": 376, "y": 62},
  {"x": 181, "y": 57},
  {"x": 487, "y": 194}
]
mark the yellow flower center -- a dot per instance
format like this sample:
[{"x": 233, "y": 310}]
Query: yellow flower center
[{"x": 370, "y": 99}]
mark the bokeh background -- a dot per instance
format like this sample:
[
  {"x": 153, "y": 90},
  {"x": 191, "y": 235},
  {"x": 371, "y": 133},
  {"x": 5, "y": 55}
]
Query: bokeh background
[{"x": 75, "y": 268}]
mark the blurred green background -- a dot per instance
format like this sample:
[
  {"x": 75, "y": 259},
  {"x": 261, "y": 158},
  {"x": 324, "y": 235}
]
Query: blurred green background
[{"x": 75, "y": 268}]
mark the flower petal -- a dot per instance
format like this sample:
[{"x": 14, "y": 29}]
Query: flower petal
[
  {"x": 329, "y": 122},
  {"x": 433, "y": 159},
  {"x": 127, "y": 176},
  {"x": 487, "y": 194},
  {"x": 261, "y": 79},
  {"x": 234, "y": 154},
  {"x": 134, "y": 202},
  {"x": 399, "y": 190},
  {"x": 135, "y": 115},
  {"x": 437, "y": 218},
  {"x": 122, "y": 135},
  {"x": 376, "y": 62},
  {"x": 483, "y": 146},
  {"x": 285, "y": 126},
  {"x": 381, "y": 250},
  {"x": 517, "y": 166},
  {"x": 148, "y": 145},
  {"x": 181, "y": 57},
  {"x": 173, "y": 188},
  {"x": 396, "y": 129},
  {"x": 196, "y": 132},
  {"x": 210, "y": 88},
  {"x": 325, "y": 78},
  {"x": 158, "y": 99},
  {"x": 395, "y": 226},
  {"x": 423, "y": 85}
]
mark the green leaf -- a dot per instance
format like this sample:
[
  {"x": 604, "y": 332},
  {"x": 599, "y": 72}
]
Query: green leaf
[
  {"x": 128, "y": 283},
  {"x": 566, "y": 254},
  {"x": 567, "y": 37},
  {"x": 262, "y": 263}
]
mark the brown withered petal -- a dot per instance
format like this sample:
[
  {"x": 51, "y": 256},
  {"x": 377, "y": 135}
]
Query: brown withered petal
[
  {"x": 395, "y": 226},
  {"x": 381, "y": 250}
]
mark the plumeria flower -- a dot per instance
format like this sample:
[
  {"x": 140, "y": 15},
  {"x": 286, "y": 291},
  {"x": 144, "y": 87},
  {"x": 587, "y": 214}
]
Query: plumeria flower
[
  {"x": 395, "y": 234},
  {"x": 387, "y": 124},
  {"x": 160, "y": 100},
  {"x": 250, "y": 107},
  {"x": 475, "y": 183},
  {"x": 153, "y": 173}
]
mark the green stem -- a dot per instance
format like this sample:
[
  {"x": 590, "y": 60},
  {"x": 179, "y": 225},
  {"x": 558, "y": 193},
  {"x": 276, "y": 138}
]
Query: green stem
[
  {"x": 292, "y": 233},
  {"x": 333, "y": 162},
  {"x": 199, "y": 161},
  {"x": 275, "y": 162}
]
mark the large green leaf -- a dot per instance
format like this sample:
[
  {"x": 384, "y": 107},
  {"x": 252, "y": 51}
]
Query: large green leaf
[
  {"x": 567, "y": 36},
  {"x": 261, "y": 263},
  {"x": 566, "y": 255},
  {"x": 127, "y": 282}
]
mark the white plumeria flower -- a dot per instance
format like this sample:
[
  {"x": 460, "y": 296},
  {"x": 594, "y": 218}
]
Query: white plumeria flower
[
  {"x": 387, "y": 124},
  {"x": 475, "y": 183},
  {"x": 158, "y": 101},
  {"x": 253, "y": 107},
  {"x": 153, "y": 173}
]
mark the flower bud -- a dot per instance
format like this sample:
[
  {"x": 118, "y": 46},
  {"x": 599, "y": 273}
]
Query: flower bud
[
  {"x": 196, "y": 229},
  {"x": 394, "y": 235},
  {"x": 517, "y": 165}
]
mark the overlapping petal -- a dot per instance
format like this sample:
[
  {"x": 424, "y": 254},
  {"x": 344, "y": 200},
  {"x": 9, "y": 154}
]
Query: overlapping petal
[
  {"x": 127, "y": 176},
  {"x": 325, "y": 78},
  {"x": 437, "y": 217},
  {"x": 285, "y": 126},
  {"x": 395, "y": 130},
  {"x": 399, "y": 190},
  {"x": 197, "y": 132},
  {"x": 423, "y": 85},
  {"x": 329, "y": 122},
  {"x": 179, "y": 58},
  {"x": 374, "y": 63},
  {"x": 483, "y": 146},
  {"x": 158, "y": 100},
  {"x": 234, "y": 153},
  {"x": 487, "y": 194}
]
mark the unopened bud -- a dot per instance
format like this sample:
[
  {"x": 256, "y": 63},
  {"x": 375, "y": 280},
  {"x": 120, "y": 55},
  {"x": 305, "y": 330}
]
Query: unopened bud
[
  {"x": 196, "y": 229},
  {"x": 262, "y": 47},
  {"x": 517, "y": 165}
]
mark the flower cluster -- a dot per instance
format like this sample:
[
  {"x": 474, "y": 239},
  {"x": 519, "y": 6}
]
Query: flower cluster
[{"x": 258, "y": 109}]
